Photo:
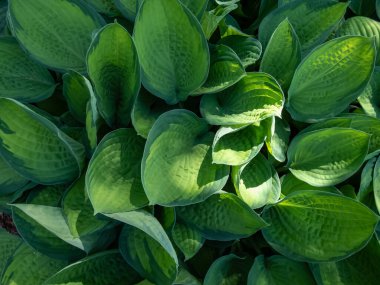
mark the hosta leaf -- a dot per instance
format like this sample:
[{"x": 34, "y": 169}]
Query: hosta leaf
[
  {"x": 185, "y": 278},
  {"x": 361, "y": 7},
  {"x": 10, "y": 180},
  {"x": 229, "y": 269},
  {"x": 254, "y": 98},
  {"x": 254, "y": 182},
  {"x": 283, "y": 54},
  {"x": 146, "y": 247},
  {"x": 46, "y": 195},
  {"x": 329, "y": 227},
  {"x": 313, "y": 21},
  {"x": 376, "y": 183},
  {"x": 3, "y": 16},
  {"x": 128, "y": 8},
  {"x": 104, "y": 6},
  {"x": 236, "y": 145},
  {"x": 177, "y": 165},
  {"x": 114, "y": 69},
  {"x": 28, "y": 266},
  {"x": 8, "y": 244},
  {"x": 327, "y": 81},
  {"x": 247, "y": 48},
  {"x": 146, "y": 110},
  {"x": 277, "y": 144},
  {"x": 361, "y": 26},
  {"x": 378, "y": 8},
  {"x": 56, "y": 33},
  {"x": 77, "y": 91},
  {"x": 104, "y": 268},
  {"x": 93, "y": 121},
  {"x": 35, "y": 147},
  {"x": 365, "y": 193},
  {"x": 188, "y": 240},
  {"x": 369, "y": 100},
  {"x": 22, "y": 78},
  {"x": 279, "y": 270},
  {"x": 113, "y": 180},
  {"x": 216, "y": 218},
  {"x": 197, "y": 7},
  {"x": 225, "y": 70},
  {"x": 172, "y": 66},
  {"x": 327, "y": 157}
]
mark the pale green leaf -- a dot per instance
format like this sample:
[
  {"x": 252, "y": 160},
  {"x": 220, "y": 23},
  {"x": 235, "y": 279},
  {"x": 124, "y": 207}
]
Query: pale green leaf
[
  {"x": 277, "y": 144},
  {"x": 376, "y": 183}
]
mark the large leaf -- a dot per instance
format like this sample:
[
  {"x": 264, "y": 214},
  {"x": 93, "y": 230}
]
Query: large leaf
[
  {"x": 146, "y": 247},
  {"x": 113, "y": 179},
  {"x": 363, "y": 7},
  {"x": 216, "y": 218},
  {"x": 104, "y": 268},
  {"x": 283, "y": 54},
  {"x": 327, "y": 80},
  {"x": 255, "y": 182},
  {"x": 376, "y": 183},
  {"x": 22, "y": 78},
  {"x": 328, "y": 227},
  {"x": 56, "y": 33},
  {"x": 313, "y": 21},
  {"x": 35, "y": 147},
  {"x": 187, "y": 239},
  {"x": 173, "y": 66},
  {"x": 370, "y": 98},
  {"x": 177, "y": 165},
  {"x": 279, "y": 270},
  {"x": 10, "y": 180},
  {"x": 327, "y": 157},
  {"x": 128, "y": 8},
  {"x": 114, "y": 69},
  {"x": 197, "y": 7},
  {"x": 254, "y": 98},
  {"x": 8, "y": 245}
]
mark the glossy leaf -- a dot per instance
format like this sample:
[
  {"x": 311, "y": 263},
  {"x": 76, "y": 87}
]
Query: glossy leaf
[
  {"x": 197, "y": 7},
  {"x": 188, "y": 240},
  {"x": 329, "y": 227},
  {"x": 369, "y": 100},
  {"x": 278, "y": 143},
  {"x": 128, "y": 8},
  {"x": 376, "y": 183},
  {"x": 172, "y": 66},
  {"x": 45, "y": 30},
  {"x": 10, "y": 180},
  {"x": 177, "y": 165},
  {"x": 262, "y": 95}
]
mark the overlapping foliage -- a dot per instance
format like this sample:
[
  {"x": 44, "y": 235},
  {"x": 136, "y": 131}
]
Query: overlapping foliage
[{"x": 190, "y": 142}]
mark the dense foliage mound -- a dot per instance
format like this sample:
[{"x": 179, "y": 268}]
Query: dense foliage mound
[{"x": 189, "y": 142}]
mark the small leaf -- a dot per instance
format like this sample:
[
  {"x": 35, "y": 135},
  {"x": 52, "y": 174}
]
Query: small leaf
[
  {"x": 340, "y": 226},
  {"x": 376, "y": 183},
  {"x": 187, "y": 239},
  {"x": 369, "y": 100},
  {"x": 278, "y": 142}
]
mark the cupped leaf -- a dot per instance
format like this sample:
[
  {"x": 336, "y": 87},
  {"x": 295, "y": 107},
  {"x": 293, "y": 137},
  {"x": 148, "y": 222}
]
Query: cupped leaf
[
  {"x": 283, "y": 54},
  {"x": 328, "y": 227},
  {"x": 329, "y": 156},
  {"x": 188, "y": 240},
  {"x": 35, "y": 147},
  {"x": 22, "y": 78},
  {"x": 254, "y": 182},
  {"x": 113, "y": 67},
  {"x": 8, "y": 244},
  {"x": 313, "y": 21},
  {"x": 28, "y": 266},
  {"x": 327, "y": 81},
  {"x": 113, "y": 180},
  {"x": 254, "y": 98},
  {"x": 56, "y": 33},
  {"x": 216, "y": 218},
  {"x": 279, "y": 270},
  {"x": 172, "y": 66},
  {"x": 277, "y": 143},
  {"x": 146, "y": 247},
  {"x": 104, "y": 268},
  {"x": 369, "y": 100},
  {"x": 225, "y": 70},
  {"x": 247, "y": 48},
  {"x": 229, "y": 269},
  {"x": 177, "y": 167},
  {"x": 10, "y": 180}
]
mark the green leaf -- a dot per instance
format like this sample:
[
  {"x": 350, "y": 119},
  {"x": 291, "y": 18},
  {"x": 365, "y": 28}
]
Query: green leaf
[
  {"x": 313, "y": 21},
  {"x": 188, "y": 240},
  {"x": 237, "y": 145},
  {"x": 46, "y": 195},
  {"x": 327, "y": 157},
  {"x": 327, "y": 80},
  {"x": 8, "y": 244},
  {"x": 103, "y": 268},
  {"x": 197, "y": 7},
  {"x": 22, "y": 78},
  {"x": 128, "y": 8},
  {"x": 376, "y": 183},
  {"x": 225, "y": 70},
  {"x": 177, "y": 165},
  {"x": 185, "y": 278},
  {"x": 247, "y": 48},
  {"x": 254, "y": 182},
  {"x": 277, "y": 144},
  {"x": 263, "y": 98},
  {"x": 57, "y": 33},
  {"x": 146, "y": 247},
  {"x": 282, "y": 55},
  {"x": 216, "y": 218},
  {"x": 28, "y": 266},
  {"x": 104, "y": 6},
  {"x": 172, "y": 66},
  {"x": 369, "y": 100},
  {"x": 35, "y": 147},
  {"x": 361, "y": 7},
  {"x": 93, "y": 122},
  {"x": 114, "y": 69},
  {"x": 77, "y": 91},
  {"x": 10, "y": 180},
  {"x": 229, "y": 269},
  {"x": 113, "y": 179},
  {"x": 365, "y": 193},
  {"x": 3, "y": 17},
  {"x": 329, "y": 227},
  {"x": 279, "y": 270}
]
